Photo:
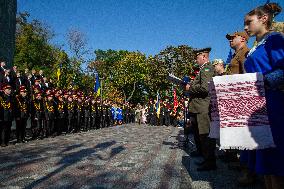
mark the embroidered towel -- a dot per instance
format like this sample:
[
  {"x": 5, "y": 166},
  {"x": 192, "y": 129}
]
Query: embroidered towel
[
  {"x": 214, "y": 113},
  {"x": 239, "y": 112}
]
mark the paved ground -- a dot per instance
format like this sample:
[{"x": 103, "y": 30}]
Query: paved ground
[{"x": 125, "y": 157}]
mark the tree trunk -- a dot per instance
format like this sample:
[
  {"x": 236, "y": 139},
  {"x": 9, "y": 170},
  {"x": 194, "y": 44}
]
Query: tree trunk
[{"x": 132, "y": 92}]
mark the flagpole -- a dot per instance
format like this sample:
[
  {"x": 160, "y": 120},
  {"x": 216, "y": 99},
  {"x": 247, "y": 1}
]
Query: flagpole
[{"x": 101, "y": 83}]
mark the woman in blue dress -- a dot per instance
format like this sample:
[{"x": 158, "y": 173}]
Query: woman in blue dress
[
  {"x": 114, "y": 114},
  {"x": 119, "y": 115},
  {"x": 267, "y": 57}
]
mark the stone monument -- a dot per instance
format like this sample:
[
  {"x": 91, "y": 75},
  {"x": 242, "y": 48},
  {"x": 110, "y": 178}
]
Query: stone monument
[{"x": 8, "y": 10}]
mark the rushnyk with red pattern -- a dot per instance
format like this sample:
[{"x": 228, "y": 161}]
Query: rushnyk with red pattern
[{"x": 239, "y": 112}]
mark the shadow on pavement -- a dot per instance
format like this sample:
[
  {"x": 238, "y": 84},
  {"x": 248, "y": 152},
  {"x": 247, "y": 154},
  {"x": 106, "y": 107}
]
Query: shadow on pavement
[{"x": 75, "y": 157}]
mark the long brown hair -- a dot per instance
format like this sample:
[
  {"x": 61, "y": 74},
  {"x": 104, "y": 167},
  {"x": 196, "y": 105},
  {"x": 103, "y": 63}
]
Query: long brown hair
[{"x": 269, "y": 9}]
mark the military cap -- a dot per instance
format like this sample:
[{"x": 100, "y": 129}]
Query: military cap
[
  {"x": 22, "y": 88},
  {"x": 6, "y": 86},
  {"x": 50, "y": 95},
  {"x": 203, "y": 50},
  {"x": 37, "y": 94},
  {"x": 237, "y": 33},
  {"x": 48, "y": 91}
]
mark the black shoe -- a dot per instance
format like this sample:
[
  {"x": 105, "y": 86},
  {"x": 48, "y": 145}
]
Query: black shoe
[
  {"x": 207, "y": 167},
  {"x": 195, "y": 154},
  {"x": 227, "y": 159},
  {"x": 200, "y": 163}
]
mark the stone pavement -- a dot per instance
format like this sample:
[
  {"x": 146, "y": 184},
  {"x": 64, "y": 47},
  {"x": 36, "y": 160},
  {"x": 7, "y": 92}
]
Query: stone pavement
[{"x": 128, "y": 156}]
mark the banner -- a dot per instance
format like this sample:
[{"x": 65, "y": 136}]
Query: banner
[{"x": 239, "y": 113}]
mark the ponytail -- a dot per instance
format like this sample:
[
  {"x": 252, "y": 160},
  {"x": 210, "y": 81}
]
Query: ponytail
[{"x": 269, "y": 9}]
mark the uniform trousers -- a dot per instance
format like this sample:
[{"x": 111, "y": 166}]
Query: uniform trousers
[
  {"x": 5, "y": 131},
  {"x": 21, "y": 124},
  {"x": 204, "y": 144}
]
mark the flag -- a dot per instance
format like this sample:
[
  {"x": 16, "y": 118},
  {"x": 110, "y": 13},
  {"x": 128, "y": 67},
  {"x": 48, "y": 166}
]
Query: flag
[
  {"x": 229, "y": 58},
  {"x": 58, "y": 73},
  {"x": 97, "y": 86},
  {"x": 228, "y": 61},
  {"x": 175, "y": 101},
  {"x": 158, "y": 107}
]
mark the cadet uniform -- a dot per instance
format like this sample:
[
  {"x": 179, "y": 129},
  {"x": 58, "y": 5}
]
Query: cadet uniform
[
  {"x": 61, "y": 115},
  {"x": 37, "y": 116},
  {"x": 163, "y": 115},
  {"x": 151, "y": 119},
  {"x": 99, "y": 112},
  {"x": 93, "y": 114},
  {"x": 167, "y": 114},
  {"x": 80, "y": 114},
  {"x": 126, "y": 116},
  {"x": 22, "y": 114},
  {"x": 49, "y": 110},
  {"x": 6, "y": 116},
  {"x": 109, "y": 114},
  {"x": 70, "y": 114},
  {"x": 87, "y": 114},
  {"x": 104, "y": 115},
  {"x": 131, "y": 115}
]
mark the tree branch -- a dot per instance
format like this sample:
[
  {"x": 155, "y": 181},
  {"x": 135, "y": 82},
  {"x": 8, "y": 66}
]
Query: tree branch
[{"x": 134, "y": 87}]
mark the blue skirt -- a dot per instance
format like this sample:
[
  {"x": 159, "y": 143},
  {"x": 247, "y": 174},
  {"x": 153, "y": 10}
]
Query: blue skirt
[{"x": 270, "y": 161}]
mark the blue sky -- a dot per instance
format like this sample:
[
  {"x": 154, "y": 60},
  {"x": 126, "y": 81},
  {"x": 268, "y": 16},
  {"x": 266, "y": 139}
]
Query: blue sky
[{"x": 145, "y": 25}]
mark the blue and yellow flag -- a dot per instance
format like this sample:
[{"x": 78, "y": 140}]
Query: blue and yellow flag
[
  {"x": 97, "y": 86},
  {"x": 229, "y": 58},
  {"x": 158, "y": 107},
  {"x": 228, "y": 61}
]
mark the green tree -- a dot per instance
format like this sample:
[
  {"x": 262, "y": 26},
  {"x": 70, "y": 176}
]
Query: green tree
[
  {"x": 104, "y": 64},
  {"x": 176, "y": 60},
  {"x": 129, "y": 75},
  {"x": 105, "y": 60},
  {"x": 33, "y": 49}
]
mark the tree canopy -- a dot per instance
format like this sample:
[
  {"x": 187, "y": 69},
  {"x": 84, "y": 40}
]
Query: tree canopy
[{"x": 127, "y": 76}]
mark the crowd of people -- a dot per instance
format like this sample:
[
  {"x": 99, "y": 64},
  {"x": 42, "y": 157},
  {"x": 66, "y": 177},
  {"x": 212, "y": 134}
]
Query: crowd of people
[
  {"x": 32, "y": 101},
  {"x": 50, "y": 111},
  {"x": 266, "y": 57},
  {"x": 165, "y": 113}
]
